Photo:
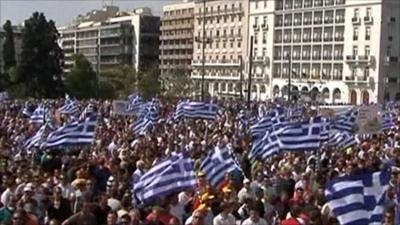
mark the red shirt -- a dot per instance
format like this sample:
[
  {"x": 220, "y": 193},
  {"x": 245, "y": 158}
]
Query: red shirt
[{"x": 164, "y": 218}]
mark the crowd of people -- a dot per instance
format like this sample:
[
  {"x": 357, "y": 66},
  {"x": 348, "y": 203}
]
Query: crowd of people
[{"x": 92, "y": 184}]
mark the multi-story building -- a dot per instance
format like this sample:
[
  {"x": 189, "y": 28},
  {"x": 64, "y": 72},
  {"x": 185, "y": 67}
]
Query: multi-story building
[
  {"x": 115, "y": 38},
  {"x": 334, "y": 50},
  {"x": 225, "y": 30},
  {"x": 17, "y": 30},
  {"x": 176, "y": 47}
]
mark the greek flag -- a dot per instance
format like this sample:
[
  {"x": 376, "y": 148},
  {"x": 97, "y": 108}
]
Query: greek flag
[
  {"x": 306, "y": 135},
  {"x": 37, "y": 138},
  {"x": 346, "y": 121},
  {"x": 275, "y": 120},
  {"x": 197, "y": 110},
  {"x": 217, "y": 164},
  {"x": 27, "y": 111},
  {"x": 135, "y": 103},
  {"x": 40, "y": 115},
  {"x": 342, "y": 139},
  {"x": 264, "y": 147},
  {"x": 141, "y": 125},
  {"x": 75, "y": 133},
  {"x": 69, "y": 107},
  {"x": 358, "y": 199},
  {"x": 173, "y": 175},
  {"x": 388, "y": 121},
  {"x": 90, "y": 110},
  {"x": 151, "y": 111}
]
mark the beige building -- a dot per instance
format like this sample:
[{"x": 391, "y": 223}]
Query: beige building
[
  {"x": 109, "y": 38},
  {"x": 225, "y": 48},
  {"x": 176, "y": 46}
]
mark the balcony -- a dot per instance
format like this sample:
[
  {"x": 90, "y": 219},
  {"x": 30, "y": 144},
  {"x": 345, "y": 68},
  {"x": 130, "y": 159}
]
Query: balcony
[
  {"x": 264, "y": 26},
  {"x": 361, "y": 59},
  {"x": 256, "y": 27},
  {"x": 391, "y": 59},
  {"x": 368, "y": 20},
  {"x": 356, "y": 20},
  {"x": 261, "y": 59},
  {"x": 316, "y": 57},
  {"x": 350, "y": 79},
  {"x": 339, "y": 38},
  {"x": 339, "y": 19},
  {"x": 216, "y": 63},
  {"x": 391, "y": 20}
]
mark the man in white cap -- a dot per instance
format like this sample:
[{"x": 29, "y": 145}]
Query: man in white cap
[{"x": 246, "y": 192}]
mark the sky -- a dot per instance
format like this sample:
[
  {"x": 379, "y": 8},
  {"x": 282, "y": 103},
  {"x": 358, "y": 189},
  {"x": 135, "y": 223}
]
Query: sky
[{"x": 64, "y": 11}]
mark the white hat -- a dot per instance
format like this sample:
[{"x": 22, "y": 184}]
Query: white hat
[{"x": 28, "y": 188}]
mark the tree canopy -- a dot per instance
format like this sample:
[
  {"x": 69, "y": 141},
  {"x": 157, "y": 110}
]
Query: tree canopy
[{"x": 41, "y": 63}]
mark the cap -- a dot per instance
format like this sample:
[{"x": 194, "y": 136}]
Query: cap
[
  {"x": 246, "y": 181},
  {"x": 28, "y": 188},
  {"x": 201, "y": 174}
]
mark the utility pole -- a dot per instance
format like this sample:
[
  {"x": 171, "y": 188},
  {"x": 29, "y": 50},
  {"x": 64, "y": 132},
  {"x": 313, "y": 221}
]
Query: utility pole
[
  {"x": 250, "y": 73},
  {"x": 98, "y": 66},
  {"x": 203, "y": 72},
  {"x": 241, "y": 77},
  {"x": 290, "y": 78}
]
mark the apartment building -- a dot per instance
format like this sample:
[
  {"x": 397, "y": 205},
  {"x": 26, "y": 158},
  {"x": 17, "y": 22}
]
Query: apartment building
[
  {"x": 176, "y": 47},
  {"x": 113, "y": 39},
  {"x": 224, "y": 43},
  {"x": 336, "y": 51},
  {"x": 17, "y": 30}
]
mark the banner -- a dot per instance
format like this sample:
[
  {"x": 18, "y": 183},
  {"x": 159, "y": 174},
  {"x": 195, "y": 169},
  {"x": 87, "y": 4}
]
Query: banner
[
  {"x": 368, "y": 120},
  {"x": 120, "y": 108}
]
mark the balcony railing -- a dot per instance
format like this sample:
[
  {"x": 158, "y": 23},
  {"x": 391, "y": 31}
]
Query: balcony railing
[
  {"x": 359, "y": 59},
  {"x": 356, "y": 20},
  {"x": 368, "y": 20},
  {"x": 391, "y": 59},
  {"x": 217, "y": 63}
]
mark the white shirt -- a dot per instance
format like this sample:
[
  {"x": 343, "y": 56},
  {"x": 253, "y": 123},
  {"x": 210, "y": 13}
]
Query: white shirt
[
  {"x": 177, "y": 211},
  {"x": 4, "y": 196},
  {"x": 246, "y": 193},
  {"x": 224, "y": 220},
  {"x": 261, "y": 221}
]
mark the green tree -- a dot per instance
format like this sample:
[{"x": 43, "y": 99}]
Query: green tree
[
  {"x": 81, "y": 81},
  {"x": 8, "y": 46},
  {"x": 41, "y": 63},
  {"x": 177, "y": 84},
  {"x": 148, "y": 83},
  {"x": 123, "y": 79}
]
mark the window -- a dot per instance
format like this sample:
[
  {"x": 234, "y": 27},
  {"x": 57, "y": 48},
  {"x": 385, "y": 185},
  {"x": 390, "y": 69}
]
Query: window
[
  {"x": 367, "y": 50},
  {"x": 355, "y": 34},
  {"x": 366, "y": 73},
  {"x": 264, "y": 37},
  {"x": 264, "y": 51},
  {"x": 368, "y": 33},
  {"x": 256, "y": 20},
  {"x": 355, "y": 50},
  {"x": 255, "y": 37},
  {"x": 232, "y": 18},
  {"x": 256, "y": 5},
  {"x": 264, "y": 20},
  {"x": 239, "y": 44},
  {"x": 389, "y": 51},
  {"x": 369, "y": 12},
  {"x": 265, "y": 3},
  {"x": 356, "y": 13}
]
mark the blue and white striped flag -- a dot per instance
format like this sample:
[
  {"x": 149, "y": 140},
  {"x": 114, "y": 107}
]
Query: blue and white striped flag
[
  {"x": 89, "y": 111},
  {"x": 346, "y": 121},
  {"x": 135, "y": 103},
  {"x": 141, "y": 125},
  {"x": 216, "y": 164},
  {"x": 70, "y": 107},
  {"x": 37, "y": 138},
  {"x": 27, "y": 111},
  {"x": 196, "y": 110},
  {"x": 75, "y": 133},
  {"x": 264, "y": 147},
  {"x": 358, "y": 199},
  {"x": 173, "y": 175},
  {"x": 342, "y": 139},
  {"x": 40, "y": 115},
  {"x": 303, "y": 136},
  {"x": 388, "y": 121}
]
